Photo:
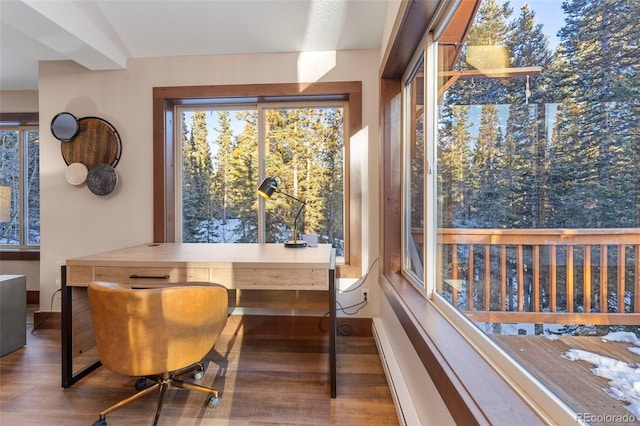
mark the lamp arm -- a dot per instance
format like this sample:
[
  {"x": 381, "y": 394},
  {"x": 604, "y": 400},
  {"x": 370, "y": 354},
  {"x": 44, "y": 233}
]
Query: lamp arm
[
  {"x": 290, "y": 196},
  {"x": 295, "y": 222}
]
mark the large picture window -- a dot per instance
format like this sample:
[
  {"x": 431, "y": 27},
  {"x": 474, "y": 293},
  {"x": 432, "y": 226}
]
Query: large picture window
[
  {"x": 538, "y": 158},
  {"x": 225, "y": 148}
]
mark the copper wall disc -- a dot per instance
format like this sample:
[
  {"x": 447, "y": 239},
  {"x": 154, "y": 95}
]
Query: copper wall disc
[{"x": 97, "y": 142}]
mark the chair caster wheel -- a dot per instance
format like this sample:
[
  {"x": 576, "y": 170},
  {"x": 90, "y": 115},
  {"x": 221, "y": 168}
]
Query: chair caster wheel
[
  {"x": 198, "y": 375},
  {"x": 141, "y": 384},
  {"x": 100, "y": 422},
  {"x": 214, "y": 401}
]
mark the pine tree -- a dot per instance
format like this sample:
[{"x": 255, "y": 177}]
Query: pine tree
[
  {"x": 282, "y": 140},
  {"x": 196, "y": 181},
  {"x": 325, "y": 175},
  {"x": 490, "y": 28},
  {"x": 455, "y": 174},
  {"x": 244, "y": 178},
  {"x": 597, "y": 63},
  {"x": 222, "y": 186},
  {"x": 526, "y": 134},
  {"x": 488, "y": 158}
]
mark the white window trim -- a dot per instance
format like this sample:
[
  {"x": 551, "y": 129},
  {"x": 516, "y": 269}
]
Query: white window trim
[{"x": 407, "y": 128}]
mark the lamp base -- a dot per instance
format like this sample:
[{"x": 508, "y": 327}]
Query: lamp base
[{"x": 296, "y": 244}]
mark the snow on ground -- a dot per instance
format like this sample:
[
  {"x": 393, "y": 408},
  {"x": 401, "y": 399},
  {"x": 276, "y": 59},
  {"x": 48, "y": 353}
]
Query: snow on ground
[
  {"x": 622, "y": 336},
  {"x": 624, "y": 378}
]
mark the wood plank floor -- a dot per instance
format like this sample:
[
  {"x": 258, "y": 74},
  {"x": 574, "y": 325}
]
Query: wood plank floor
[
  {"x": 572, "y": 381},
  {"x": 270, "y": 370}
]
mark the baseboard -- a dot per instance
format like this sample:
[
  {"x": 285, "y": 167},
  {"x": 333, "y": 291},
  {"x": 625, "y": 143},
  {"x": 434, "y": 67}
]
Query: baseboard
[
  {"x": 33, "y": 297},
  {"x": 407, "y": 414},
  {"x": 47, "y": 320}
]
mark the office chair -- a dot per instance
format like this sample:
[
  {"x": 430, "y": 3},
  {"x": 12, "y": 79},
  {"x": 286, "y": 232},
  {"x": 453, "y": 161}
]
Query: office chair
[{"x": 160, "y": 334}]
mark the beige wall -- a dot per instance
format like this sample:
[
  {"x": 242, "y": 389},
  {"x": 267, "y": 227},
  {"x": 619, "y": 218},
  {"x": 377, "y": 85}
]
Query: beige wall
[
  {"x": 19, "y": 101},
  {"x": 75, "y": 222},
  {"x": 29, "y": 268}
]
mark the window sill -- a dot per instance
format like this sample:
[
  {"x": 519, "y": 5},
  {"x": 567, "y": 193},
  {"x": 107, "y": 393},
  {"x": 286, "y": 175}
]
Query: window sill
[
  {"x": 474, "y": 386},
  {"x": 19, "y": 254}
]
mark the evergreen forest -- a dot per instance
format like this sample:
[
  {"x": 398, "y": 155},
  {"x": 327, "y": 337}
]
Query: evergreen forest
[
  {"x": 304, "y": 152},
  {"x": 558, "y": 149}
]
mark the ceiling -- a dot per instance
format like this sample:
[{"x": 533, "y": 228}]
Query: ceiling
[{"x": 103, "y": 34}]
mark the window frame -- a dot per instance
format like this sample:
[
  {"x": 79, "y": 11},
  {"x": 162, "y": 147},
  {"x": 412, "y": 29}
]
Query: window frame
[
  {"x": 22, "y": 121},
  {"x": 408, "y": 136},
  {"x": 260, "y": 107},
  {"x": 165, "y": 101}
]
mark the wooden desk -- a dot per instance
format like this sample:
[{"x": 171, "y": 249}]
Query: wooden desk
[{"x": 236, "y": 266}]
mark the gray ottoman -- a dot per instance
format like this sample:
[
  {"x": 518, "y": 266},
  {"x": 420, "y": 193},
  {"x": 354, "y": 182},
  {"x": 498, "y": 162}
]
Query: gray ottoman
[{"x": 13, "y": 313}]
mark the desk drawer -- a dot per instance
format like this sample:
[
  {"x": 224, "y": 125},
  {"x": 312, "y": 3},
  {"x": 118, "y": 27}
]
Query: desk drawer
[
  {"x": 150, "y": 276},
  {"x": 280, "y": 279}
]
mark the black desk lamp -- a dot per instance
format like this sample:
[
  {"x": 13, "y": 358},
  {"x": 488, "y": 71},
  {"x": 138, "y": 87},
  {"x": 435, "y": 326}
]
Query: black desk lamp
[{"x": 266, "y": 189}]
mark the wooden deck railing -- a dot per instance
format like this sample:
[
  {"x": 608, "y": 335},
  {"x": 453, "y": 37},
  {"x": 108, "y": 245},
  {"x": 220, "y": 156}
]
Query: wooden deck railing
[{"x": 564, "y": 276}]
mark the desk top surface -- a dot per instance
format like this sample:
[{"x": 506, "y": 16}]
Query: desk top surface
[{"x": 197, "y": 254}]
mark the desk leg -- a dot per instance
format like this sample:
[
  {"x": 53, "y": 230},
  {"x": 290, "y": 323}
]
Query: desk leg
[
  {"x": 68, "y": 378},
  {"x": 332, "y": 331}
]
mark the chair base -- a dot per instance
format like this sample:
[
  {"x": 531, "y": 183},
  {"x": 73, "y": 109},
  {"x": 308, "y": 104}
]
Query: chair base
[{"x": 162, "y": 384}]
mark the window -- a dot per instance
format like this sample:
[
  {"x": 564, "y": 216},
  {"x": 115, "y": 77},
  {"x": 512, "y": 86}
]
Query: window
[
  {"x": 537, "y": 177},
  {"x": 19, "y": 177},
  {"x": 219, "y": 173},
  {"x": 223, "y": 150},
  {"x": 304, "y": 147},
  {"x": 527, "y": 141},
  {"x": 414, "y": 175},
  {"x": 275, "y": 109}
]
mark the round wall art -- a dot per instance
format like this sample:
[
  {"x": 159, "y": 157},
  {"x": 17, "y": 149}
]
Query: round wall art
[{"x": 91, "y": 148}]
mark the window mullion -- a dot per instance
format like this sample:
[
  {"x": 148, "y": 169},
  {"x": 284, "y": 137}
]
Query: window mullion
[
  {"x": 22, "y": 187},
  {"x": 177, "y": 187},
  {"x": 430, "y": 167},
  {"x": 261, "y": 173}
]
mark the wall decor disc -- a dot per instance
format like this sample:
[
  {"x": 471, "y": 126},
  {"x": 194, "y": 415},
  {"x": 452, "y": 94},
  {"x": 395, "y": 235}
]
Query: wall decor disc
[
  {"x": 64, "y": 126},
  {"x": 76, "y": 173},
  {"x": 97, "y": 142},
  {"x": 102, "y": 179}
]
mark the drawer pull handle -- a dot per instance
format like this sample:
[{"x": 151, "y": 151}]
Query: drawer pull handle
[{"x": 149, "y": 277}]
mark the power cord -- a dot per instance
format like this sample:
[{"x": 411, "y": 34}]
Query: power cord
[
  {"x": 35, "y": 327},
  {"x": 345, "y": 328},
  {"x": 362, "y": 280}
]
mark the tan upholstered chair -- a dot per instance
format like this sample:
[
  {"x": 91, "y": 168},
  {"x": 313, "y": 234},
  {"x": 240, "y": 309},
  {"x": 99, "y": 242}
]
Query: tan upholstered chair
[{"x": 160, "y": 334}]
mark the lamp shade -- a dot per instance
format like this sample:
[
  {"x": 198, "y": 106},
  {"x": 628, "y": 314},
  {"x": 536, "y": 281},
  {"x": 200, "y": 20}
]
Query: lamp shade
[
  {"x": 267, "y": 187},
  {"x": 5, "y": 203}
]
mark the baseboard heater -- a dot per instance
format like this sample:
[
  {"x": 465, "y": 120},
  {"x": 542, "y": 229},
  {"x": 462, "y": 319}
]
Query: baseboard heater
[{"x": 407, "y": 414}]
